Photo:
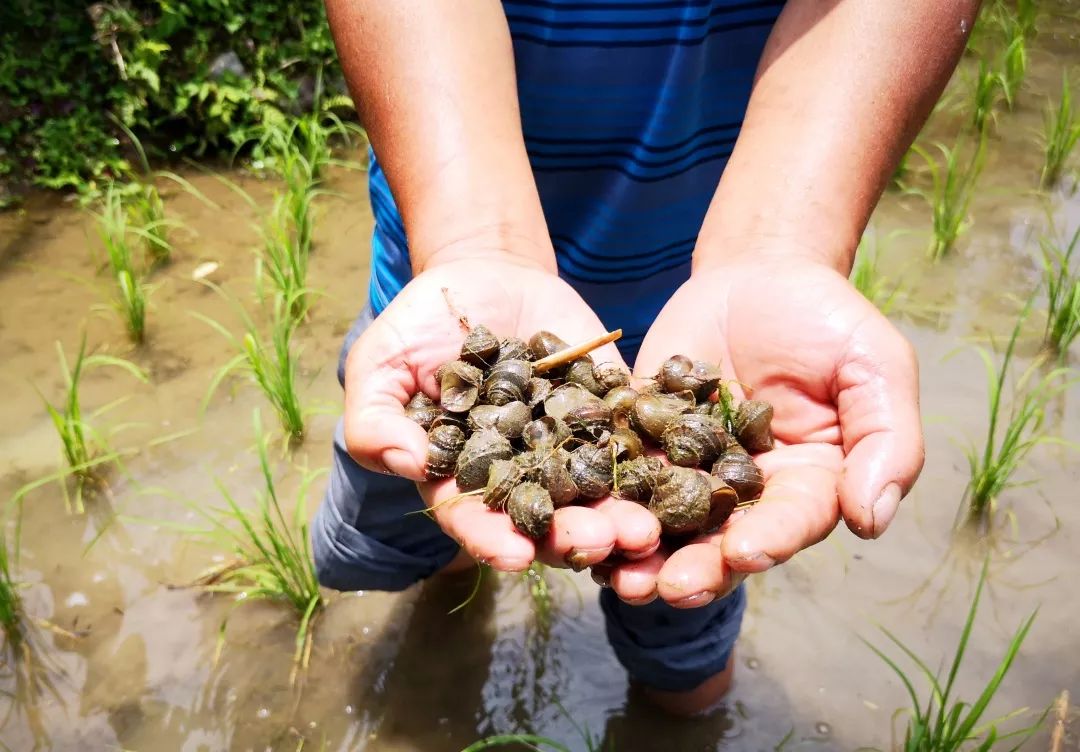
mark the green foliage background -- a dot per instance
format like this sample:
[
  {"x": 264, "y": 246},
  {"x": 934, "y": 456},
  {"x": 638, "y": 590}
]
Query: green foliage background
[{"x": 68, "y": 67}]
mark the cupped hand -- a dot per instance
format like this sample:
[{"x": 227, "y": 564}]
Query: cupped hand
[
  {"x": 398, "y": 356},
  {"x": 844, "y": 386}
]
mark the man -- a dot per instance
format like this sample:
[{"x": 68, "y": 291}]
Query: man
[{"x": 696, "y": 172}]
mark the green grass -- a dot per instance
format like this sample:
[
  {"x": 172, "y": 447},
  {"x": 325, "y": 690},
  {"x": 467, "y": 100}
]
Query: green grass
[
  {"x": 1011, "y": 434},
  {"x": 868, "y": 279},
  {"x": 952, "y": 187},
  {"x": 269, "y": 362},
  {"x": 272, "y": 553},
  {"x": 1062, "y": 295},
  {"x": 85, "y": 448},
  {"x": 940, "y": 721},
  {"x": 1061, "y": 131}
]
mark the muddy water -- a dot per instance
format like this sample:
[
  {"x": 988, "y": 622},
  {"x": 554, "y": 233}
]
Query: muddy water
[{"x": 395, "y": 671}]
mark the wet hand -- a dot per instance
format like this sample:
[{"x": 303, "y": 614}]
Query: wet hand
[
  {"x": 398, "y": 356},
  {"x": 844, "y": 385}
]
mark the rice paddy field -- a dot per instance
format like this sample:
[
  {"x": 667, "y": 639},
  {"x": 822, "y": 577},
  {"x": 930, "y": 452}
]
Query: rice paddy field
[{"x": 167, "y": 363}]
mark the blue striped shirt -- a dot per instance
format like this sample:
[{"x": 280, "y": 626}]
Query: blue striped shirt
[{"x": 630, "y": 109}]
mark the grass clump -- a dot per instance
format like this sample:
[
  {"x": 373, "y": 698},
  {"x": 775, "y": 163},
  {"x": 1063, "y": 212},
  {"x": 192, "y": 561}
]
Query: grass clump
[
  {"x": 952, "y": 187},
  {"x": 990, "y": 87},
  {"x": 868, "y": 279},
  {"x": 941, "y": 722},
  {"x": 11, "y": 606},
  {"x": 114, "y": 228},
  {"x": 1010, "y": 435},
  {"x": 1062, "y": 295},
  {"x": 269, "y": 362},
  {"x": 85, "y": 449},
  {"x": 1060, "y": 133},
  {"x": 273, "y": 559},
  {"x": 1014, "y": 68},
  {"x": 285, "y": 251}
]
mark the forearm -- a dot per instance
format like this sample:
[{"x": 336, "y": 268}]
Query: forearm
[
  {"x": 843, "y": 88},
  {"x": 434, "y": 83}
]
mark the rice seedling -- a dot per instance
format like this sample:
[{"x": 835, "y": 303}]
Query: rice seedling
[
  {"x": 1014, "y": 67},
  {"x": 1061, "y": 131},
  {"x": 285, "y": 251},
  {"x": 868, "y": 279},
  {"x": 941, "y": 722},
  {"x": 272, "y": 553},
  {"x": 952, "y": 187},
  {"x": 989, "y": 88},
  {"x": 270, "y": 363},
  {"x": 1010, "y": 436},
  {"x": 11, "y": 606},
  {"x": 114, "y": 229},
  {"x": 85, "y": 449},
  {"x": 1062, "y": 295}
]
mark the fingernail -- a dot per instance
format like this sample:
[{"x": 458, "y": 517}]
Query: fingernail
[
  {"x": 639, "y": 555},
  {"x": 884, "y": 508},
  {"x": 697, "y": 600},
  {"x": 759, "y": 561},
  {"x": 579, "y": 558},
  {"x": 639, "y": 601}
]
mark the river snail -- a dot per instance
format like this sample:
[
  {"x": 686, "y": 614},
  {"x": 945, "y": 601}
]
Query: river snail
[{"x": 531, "y": 426}]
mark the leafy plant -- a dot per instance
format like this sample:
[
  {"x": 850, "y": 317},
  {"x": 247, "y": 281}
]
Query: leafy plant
[
  {"x": 273, "y": 559},
  {"x": 85, "y": 449},
  {"x": 1009, "y": 436},
  {"x": 941, "y": 722},
  {"x": 1062, "y": 295},
  {"x": 952, "y": 188},
  {"x": 868, "y": 279},
  {"x": 1060, "y": 133},
  {"x": 271, "y": 365}
]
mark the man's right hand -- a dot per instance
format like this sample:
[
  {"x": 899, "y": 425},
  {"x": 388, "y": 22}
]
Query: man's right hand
[{"x": 398, "y": 356}]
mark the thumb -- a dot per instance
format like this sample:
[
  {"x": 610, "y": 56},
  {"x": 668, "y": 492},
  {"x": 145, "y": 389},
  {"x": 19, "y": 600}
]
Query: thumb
[
  {"x": 878, "y": 403},
  {"x": 379, "y": 381}
]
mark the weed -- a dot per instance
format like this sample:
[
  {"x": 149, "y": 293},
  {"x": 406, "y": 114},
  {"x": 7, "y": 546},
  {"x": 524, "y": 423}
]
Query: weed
[
  {"x": 951, "y": 190},
  {"x": 271, "y": 365},
  {"x": 1009, "y": 436},
  {"x": 868, "y": 279},
  {"x": 1060, "y": 133},
  {"x": 1062, "y": 295},
  {"x": 943, "y": 723},
  {"x": 273, "y": 559},
  {"x": 85, "y": 449}
]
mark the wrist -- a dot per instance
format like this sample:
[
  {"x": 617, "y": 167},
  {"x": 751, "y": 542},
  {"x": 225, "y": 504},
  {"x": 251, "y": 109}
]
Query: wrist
[
  {"x": 497, "y": 242},
  {"x": 765, "y": 248}
]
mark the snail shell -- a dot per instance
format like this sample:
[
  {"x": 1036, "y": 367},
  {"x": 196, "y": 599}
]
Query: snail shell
[
  {"x": 591, "y": 470},
  {"x": 423, "y": 410},
  {"x": 537, "y": 391},
  {"x": 513, "y": 348},
  {"x": 459, "y": 383},
  {"x": 691, "y": 440},
  {"x": 530, "y": 463},
  {"x": 635, "y": 479},
  {"x": 580, "y": 372},
  {"x": 509, "y": 419},
  {"x": 590, "y": 421},
  {"x": 555, "y": 477},
  {"x": 722, "y": 502},
  {"x": 480, "y": 347},
  {"x": 531, "y": 509},
  {"x": 506, "y": 382},
  {"x": 567, "y": 397},
  {"x": 609, "y": 376},
  {"x": 621, "y": 401},
  {"x": 681, "y": 500},
  {"x": 544, "y": 343},
  {"x": 503, "y": 477},
  {"x": 545, "y": 433},
  {"x": 678, "y": 373},
  {"x": 753, "y": 426},
  {"x": 652, "y": 413},
  {"x": 736, "y": 468},
  {"x": 625, "y": 444},
  {"x": 446, "y": 418},
  {"x": 444, "y": 446},
  {"x": 474, "y": 462}
]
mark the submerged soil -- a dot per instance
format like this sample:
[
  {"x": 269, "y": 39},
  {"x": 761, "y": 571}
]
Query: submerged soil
[{"x": 395, "y": 672}]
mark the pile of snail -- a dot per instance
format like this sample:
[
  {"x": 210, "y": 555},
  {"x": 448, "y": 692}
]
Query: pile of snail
[{"x": 534, "y": 426}]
